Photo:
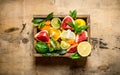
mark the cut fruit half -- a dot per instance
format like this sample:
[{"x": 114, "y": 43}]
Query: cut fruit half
[
  {"x": 65, "y": 21},
  {"x": 84, "y": 48},
  {"x": 56, "y": 23},
  {"x": 64, "y": 45},
  {"x": 82, "y": 36},
  {"x": 42, "y": 36},
  {"x": 67, "y": 34},
  {"x": 72, "y": 49}
]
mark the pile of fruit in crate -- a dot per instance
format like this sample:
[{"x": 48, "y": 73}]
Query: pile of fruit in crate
[{"x": 58, "y": 36}]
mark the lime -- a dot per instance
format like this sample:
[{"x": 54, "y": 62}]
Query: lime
[
  {"x": 64, "y": 45},
  {"x": 56, "y": 23},
  {"x": 80, "y": 22},
  {"x": 84, "y": 48}
]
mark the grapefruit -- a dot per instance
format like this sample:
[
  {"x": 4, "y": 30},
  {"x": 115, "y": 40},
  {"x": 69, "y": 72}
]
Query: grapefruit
[
  {"x": 42, "y": 36},
  {"x": 81, "y": 37},
  {"x": 67, "y": 19},
  {"x": 84, "y": 48}
]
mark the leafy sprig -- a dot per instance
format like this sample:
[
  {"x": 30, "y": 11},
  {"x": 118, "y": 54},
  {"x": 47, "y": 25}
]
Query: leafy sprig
[
  {"x": 73, "y": 14},
  {"x": 77, "y": 29},
  {"x": 41, "y": 22}
]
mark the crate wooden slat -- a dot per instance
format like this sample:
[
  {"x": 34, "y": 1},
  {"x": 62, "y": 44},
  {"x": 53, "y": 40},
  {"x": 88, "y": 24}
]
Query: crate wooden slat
[{"x": 86, "y": 17}]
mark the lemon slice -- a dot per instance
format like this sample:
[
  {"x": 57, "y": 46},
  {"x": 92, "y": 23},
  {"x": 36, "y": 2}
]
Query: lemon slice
[
  {"x": 84, "y": 48},
  {"x": 64, "y": 45},
  {"x": 80, "y": 22},
  {"x": 67, "y": 34},
  {"x": 56, "y": 23}
]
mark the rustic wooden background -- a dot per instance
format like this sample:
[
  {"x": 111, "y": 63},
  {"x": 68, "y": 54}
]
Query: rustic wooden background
[{"x": 16, "y": 38}]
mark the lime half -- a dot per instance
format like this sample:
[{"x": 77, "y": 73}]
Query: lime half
[
  {"x": 64, "y": 45},
  {"x": 56, "y": 23}
]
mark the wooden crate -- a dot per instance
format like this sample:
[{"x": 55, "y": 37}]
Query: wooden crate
[{"x": 85, "y": 17}]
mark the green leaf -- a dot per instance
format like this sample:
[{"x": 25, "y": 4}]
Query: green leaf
[
  {"x": 41, "y": 24},
  {"x": 37, "y": 20},
  {"x": 70, "y": 24},
  {"x": 81, "y": 28},
  {"x": 51, "y": 49},
  {"x": 73, "y": 14},
  {"x": 47, "y": 54},
  {"x": 75, "y": 56},
  {"x": 61, "y": 52},
  {"x": 49, "y": 16},
  {"x": 76, "y": 27}
]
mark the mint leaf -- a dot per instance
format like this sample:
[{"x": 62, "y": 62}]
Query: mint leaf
[
  {"x": 61, "y": 52},
  {"x": 75, "y": 56},
  {"x": 41, "y": 24},
  {"x": 47, "y": 54},
  {"x": 49, "y": 16},
  {"x": 70, "y": 24},
  {"x": 81, "y": 28},
  {"x": 37, "y": 20},
  {"x": 73, "y": 14}
]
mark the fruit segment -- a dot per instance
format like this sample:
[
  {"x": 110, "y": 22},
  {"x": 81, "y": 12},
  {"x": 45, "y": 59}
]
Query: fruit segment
[
  {"x": 72, "y": 49},
  {"x": 42, "y": 36},
  {"x": 81, "y": 37},
  {"x": 65, "y": 21}
]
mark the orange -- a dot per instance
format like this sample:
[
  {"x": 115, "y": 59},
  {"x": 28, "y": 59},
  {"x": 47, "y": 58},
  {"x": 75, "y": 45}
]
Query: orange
[
  {"x": 70, "y": 41},
  {"x": 46, "y": 27},
  {"x": 47, "y": 22},
  {"x": 55, "y": 33}
]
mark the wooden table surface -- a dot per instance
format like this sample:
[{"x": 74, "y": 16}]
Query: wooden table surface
[{"x": 16, "y": 38}]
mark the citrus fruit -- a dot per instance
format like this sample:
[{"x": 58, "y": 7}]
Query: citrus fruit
[
  {"x": 46, "y": 27},
  {"x": 56, "y": 23},
  {"x": 42, "y": 36},
  {"x": 70, "y": 41},
  {"x": 47, "y": 22},
  {"x": 80, "y": 22},
  {"x": 84, "y": 48},
  {"x": 64, "y": 45},
  {"x": 72, "y": 49},
  {"x": 81, "y": 37},
  {"x": 67, "y": 34},
  {"x": 65, "y": 21},
  {"x": 42, "y": 47},
  {"x": 54, "y": 33}
]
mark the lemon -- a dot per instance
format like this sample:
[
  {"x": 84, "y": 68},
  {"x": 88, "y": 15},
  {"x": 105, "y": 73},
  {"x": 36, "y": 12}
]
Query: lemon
[
  {"x": 64, "y": 45},
  {"x": 80, "y": 22},
  {"x": 56, "y": 23},
  {"x": 54, "y": 33},
  {"x": 84, "y": 48},
  {"x": 67, "y": 34}
]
